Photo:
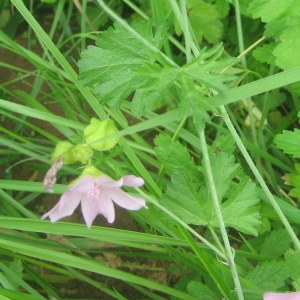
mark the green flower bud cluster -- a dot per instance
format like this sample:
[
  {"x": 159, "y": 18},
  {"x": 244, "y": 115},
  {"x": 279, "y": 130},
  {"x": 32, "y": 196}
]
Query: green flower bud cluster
[{"x": 97, "y": 136}]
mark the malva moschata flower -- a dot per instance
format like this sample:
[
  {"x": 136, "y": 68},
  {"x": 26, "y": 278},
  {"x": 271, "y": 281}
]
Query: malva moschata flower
[
  {"x": 282, "y": 296},
  {"x": 96, "y": 196}
]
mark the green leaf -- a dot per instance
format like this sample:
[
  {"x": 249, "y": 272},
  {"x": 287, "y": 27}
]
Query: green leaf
[
  {"x": 264, "y": 53},
  {"x": 269, "y": 275},
  {"x": 195, "y": 104},
  {"x": 289, "y": 142},
  {"x": 159, "y": 81},
  {"x": 240, "y": 210},
  {"x": 293, "y": 179},
  {"x": 208, "y": 68},
  {"x": 191, "y": 201},
  {"x": 205, "y": 20},
  {"x": 201, "y": 291},
  {"x": 186, "y": 201},
  {"x": 112, "y": 67},
  {"x": 92, "y": 171},
  {"x": 224, "y": 171},
  {"x": 223, "y": 143},
  {"x": 270, "y": 10},
  {"x": 287, "y": 52},
  {"x": 295, "y": 192},
  {"x": 284, "y": 23},
  {"x": 122, "y": 66},
  {"x": 274, "y": 29},
  {"x": 275, "y": 243},
  {"x": 293, "y": 262},
  {"x": 175, "y": 158},
  {"x": 223, "y": 7}
]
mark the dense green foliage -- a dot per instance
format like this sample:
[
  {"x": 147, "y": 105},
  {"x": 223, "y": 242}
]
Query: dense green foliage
[{"x": 203, "y": 100}]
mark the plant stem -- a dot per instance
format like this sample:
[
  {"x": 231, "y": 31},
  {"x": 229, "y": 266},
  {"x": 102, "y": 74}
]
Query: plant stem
[
  {"x": 259, "y": 178},
  {"x": 218, "y": 211},
  {"x": 190, "y": 44}
]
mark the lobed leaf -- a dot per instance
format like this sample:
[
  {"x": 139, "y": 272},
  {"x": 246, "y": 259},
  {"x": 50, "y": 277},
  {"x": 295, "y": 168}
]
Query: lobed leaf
[
  {"x": 201, "y": 291},
  {"x": 286, "y": 53},
  {"x": 112, "y": 66},
  {"x": 240, "y": 210},
  {"x": 122, "y": 66},
  {"x": 289, "y": 142},
  {"x": 264, "y": 53},
  {"x": 262, "y": 8},
  {"x": 175, "y": 158},
  {"x": 276, "y": 243},
  {"x": 293, "y": 262},
  {"x": 269, "y": 275},
  {"x": 189, "y": 198}
]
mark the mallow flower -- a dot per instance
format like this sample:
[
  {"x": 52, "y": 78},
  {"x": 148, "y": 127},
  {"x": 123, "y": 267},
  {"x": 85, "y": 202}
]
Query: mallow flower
[
  {"x": 97, "y": 195},
  {"x": 282, "y": 296}
]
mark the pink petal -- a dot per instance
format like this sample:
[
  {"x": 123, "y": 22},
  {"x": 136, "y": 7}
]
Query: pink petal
[
  {"x": 125, "y": 200},
  {"x": 131, "y": 180},
  {"x": 65, "y": 206},
  {"x": 102, "y": 205},
  {"x": 83, "y": 184},
  {"x": 104, "y": 180},
  {"x": 282, "y": 296},
  {"x": 128, "y": 180}
]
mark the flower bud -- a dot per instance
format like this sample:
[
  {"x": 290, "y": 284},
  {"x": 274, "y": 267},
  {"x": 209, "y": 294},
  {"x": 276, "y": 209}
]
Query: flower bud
[
  {"x": 96, "y": 132},
  {"x": 63, "y": 150},
  {"x": 82, "y": 153}
]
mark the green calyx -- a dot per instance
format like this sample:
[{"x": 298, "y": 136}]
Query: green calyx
[
  {"x": 72, "y": 153},
  {"x": 91, "y": 170}
]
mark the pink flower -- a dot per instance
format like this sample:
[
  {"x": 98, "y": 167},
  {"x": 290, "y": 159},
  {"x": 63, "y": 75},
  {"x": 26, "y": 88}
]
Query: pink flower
[
  {"x": 282, "y": 296},
  {"x": 96, "y": 196}
]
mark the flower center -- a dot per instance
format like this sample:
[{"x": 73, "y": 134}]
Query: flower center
[{"x": 94, "y": 192}]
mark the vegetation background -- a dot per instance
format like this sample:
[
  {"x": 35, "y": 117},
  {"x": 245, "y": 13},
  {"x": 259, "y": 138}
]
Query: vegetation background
[{"x": 205, "y": 96}]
